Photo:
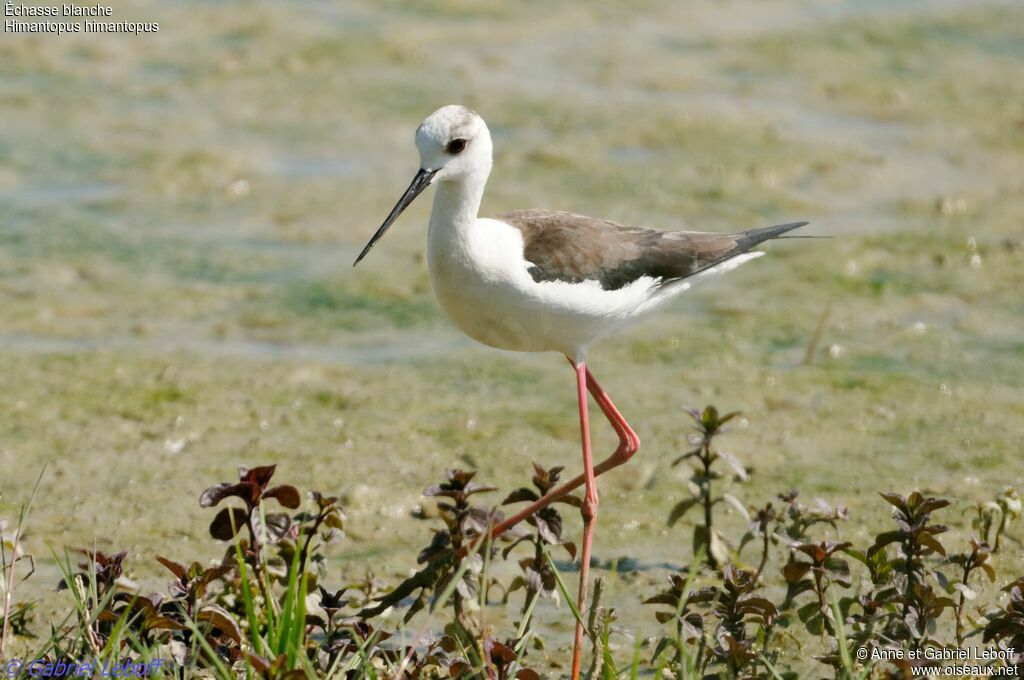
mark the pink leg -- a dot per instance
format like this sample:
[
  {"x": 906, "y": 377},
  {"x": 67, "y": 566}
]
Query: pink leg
[
  {"x": 629, "y": 444},
  {"x": 589, "y": 511}
]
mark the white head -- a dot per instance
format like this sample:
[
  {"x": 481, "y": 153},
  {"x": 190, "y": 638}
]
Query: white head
[
  {"x": 454, "y": 143},
  {"x": 455, "y": 146}
]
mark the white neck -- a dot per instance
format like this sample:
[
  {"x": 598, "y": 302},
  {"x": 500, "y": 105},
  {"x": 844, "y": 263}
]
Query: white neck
[{"x": 456, "y": 203}]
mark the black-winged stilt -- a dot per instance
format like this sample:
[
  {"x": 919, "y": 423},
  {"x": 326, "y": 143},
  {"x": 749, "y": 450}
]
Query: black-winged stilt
[{"x": 546, "y": 280}]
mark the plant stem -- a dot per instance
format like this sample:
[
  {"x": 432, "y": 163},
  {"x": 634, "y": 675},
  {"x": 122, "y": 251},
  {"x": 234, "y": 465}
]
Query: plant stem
[
  {"x": 257, "y": 561},
  {"x": 819, "y": 590},
  {"x": 999, "y": 531},
  {"x": 309, "y": 539},
  {"x": 968, "y": 566},
  {"x": 909, "y": 551},
  {"x": 8, "y": 591},
  {"x": 596, "y": 663},
  {"x": 705, "y": 491},
  {"x": 764, "y": 555},
  {"x": 9, "y": 585}
]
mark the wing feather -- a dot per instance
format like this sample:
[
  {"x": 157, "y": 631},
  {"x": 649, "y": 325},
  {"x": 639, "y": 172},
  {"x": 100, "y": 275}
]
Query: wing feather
[{"x": 564, "y": 246}]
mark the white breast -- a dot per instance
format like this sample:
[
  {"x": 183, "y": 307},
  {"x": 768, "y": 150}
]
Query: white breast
[{"x": 483, "y": 283}]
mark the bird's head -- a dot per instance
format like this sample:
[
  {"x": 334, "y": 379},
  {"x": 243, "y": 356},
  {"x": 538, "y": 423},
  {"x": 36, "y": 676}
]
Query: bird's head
[
  {"x": 454, "y": 143},
  {"x": 455, "y": 146}
]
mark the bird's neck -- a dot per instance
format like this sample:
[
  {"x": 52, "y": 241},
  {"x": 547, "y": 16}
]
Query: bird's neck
[{"x": 456, "y": 203}]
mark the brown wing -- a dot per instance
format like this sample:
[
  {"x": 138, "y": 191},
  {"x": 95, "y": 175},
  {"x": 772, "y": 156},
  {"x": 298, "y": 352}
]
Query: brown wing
[{"x": 563, "y": 246}]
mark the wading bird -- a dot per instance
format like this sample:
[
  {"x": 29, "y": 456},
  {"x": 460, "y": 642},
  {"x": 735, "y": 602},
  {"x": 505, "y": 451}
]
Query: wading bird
[{"x": 547, "y": 280}]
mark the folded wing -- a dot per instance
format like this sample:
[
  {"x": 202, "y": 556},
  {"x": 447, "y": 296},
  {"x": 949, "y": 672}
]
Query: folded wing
[{"x": 564, "y": 246}]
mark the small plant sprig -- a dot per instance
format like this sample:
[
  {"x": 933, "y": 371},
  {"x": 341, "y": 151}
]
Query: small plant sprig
[
  {"x": 760, "y": 527},
  {"x": 343, "y": 632},
  {"x": 820, "y": 569},
  {"x": 464, "y": 523},
  {"x": 251, "y": 488},
  {"x": 800, "y": 518},
  {"x": 114, "y": 614},
  {"x": 708, "y": 424},
  {"x": 94, "y": 587},
  {"x": 538, "y": 577},
  {"x": 14, "y": 618},
  {"x": 688, "y": 639},
  {"x": 969, "y": 562},
  {"x": 773, "y": 526},
  {"x": 993, "y": 517},
  {"x": 505, "y": 661},
  {"x": 188, "y": 602},
  {"x": 444, "y": 559},
  {"x": 917, "y": 539},
  {"x": 191, "y": 583},
  {"x": 328, "y": 515},
  {"x": 737, "y": 607},
  {"x": 263, "y": 527},
  {"x": 1005, "y": 626}
]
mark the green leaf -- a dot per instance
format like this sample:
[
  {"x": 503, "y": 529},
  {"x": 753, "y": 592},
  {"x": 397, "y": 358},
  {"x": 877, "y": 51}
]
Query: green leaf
[
  {"x": 680, "y": 509},
  {"x": 885, "y": 538},
  {"x": 810, "y": 615},
  {"x": 930, "y": 541}
]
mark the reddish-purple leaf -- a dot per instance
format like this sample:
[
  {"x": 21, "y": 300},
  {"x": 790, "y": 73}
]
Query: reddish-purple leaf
[
  {"x": 221, "y": 527},
  {"x": 175, "y": 568},
  {"x": 259, "y": 475},
  {"x": 519, "y": 495},
  {"x": 218, "y": 492},
  {"x": 220, "y": 619},
  {"x": 286, "y": 494}
]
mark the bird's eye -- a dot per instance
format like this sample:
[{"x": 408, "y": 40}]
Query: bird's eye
[{"x": 456, "y": 146}]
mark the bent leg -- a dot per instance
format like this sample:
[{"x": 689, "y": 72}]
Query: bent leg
[
  {"x": 629, "y": 444},
  {"x": 589, "y": 512}
]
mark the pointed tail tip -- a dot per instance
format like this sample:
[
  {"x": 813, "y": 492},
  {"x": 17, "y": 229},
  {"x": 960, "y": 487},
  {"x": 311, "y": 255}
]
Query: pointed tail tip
[
  {"x": 753, "y": 237},
  {"x": 782, "y": 230},
  {"x": 776, "y": 230}
]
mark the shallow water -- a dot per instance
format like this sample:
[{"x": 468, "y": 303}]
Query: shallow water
[{"x": 181, "y": 212}]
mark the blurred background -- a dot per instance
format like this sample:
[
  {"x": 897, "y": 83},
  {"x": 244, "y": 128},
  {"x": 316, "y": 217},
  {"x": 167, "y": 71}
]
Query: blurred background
[{"x": 181, "y": 211}]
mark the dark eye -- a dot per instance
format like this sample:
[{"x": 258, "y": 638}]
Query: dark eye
[{"x": 456, "y": 146}]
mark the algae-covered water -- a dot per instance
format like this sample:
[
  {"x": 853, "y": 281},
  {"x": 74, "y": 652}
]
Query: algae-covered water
[{"x": 181, "y": 210}]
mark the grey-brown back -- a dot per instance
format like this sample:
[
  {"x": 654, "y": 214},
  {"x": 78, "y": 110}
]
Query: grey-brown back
[{"x": 564, "y": 246}]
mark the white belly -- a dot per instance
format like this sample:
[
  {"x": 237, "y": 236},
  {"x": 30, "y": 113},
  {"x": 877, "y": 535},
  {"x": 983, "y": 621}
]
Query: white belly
[{"x": 482, "y": 282}]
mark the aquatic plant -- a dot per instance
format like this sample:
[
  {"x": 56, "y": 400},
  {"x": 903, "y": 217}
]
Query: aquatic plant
[
  {"x": 538, "y": 577},
  {"x": 265, "y": 610},
  {"x": 708, "y": 424}
]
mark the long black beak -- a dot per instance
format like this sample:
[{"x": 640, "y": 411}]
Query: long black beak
[{"x": 420, "y": 182}]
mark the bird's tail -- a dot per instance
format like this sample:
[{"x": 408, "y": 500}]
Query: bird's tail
[
  {"x": 750, "y": 238},
  {"x": 744, "y": 241}
]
